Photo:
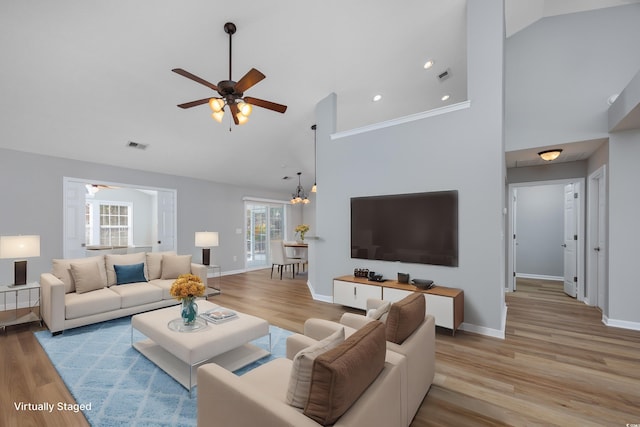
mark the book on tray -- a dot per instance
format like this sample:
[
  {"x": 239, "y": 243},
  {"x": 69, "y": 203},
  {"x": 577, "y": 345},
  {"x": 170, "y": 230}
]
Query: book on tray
[{"x": 219, "y": 315}]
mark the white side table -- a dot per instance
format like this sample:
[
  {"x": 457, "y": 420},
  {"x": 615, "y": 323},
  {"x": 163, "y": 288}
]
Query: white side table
[
  {"x": 31, "y": 316},
  {"x": 216, "y": 288}
]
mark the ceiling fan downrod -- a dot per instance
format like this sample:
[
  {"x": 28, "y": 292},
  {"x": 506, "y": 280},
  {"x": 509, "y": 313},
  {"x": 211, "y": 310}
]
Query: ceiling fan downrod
[{"x": 230, "y": 28}]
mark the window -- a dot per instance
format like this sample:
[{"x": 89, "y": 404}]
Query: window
[{"x": 108, "y": 223}]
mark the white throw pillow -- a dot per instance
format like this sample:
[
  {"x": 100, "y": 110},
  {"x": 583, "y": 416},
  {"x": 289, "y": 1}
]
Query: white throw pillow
[
  {"x": 62, "y": 270},
  {"x": 175, "y": 265},
  {"x": 377, "y": 313},
  {"x": 154, "y": 264},
  {"x": 300, "y": 380},
  {"x": 86, "y": 276}
]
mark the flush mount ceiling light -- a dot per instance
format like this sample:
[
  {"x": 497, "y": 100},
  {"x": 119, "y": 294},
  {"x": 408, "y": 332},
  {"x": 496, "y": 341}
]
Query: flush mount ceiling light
[
  {"x": 549, "y": 155},
  {"x": 377, "y": 98},
  {"x": 444, "y": 97},
  {"x": 299, "y": 196},
  {"x": 428, "y": 64}
]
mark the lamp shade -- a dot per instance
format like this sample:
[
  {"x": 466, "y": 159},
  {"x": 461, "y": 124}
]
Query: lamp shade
[
  {"x": 19, "y": 246},
  {"x": 206, "y": 239}
]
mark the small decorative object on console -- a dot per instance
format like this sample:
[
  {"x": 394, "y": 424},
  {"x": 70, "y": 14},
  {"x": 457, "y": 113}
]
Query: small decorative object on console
[
  {"x": 361, "y": 272},
  {"x": 403, "y": 277},
  {"x": 423, "y": 283}
]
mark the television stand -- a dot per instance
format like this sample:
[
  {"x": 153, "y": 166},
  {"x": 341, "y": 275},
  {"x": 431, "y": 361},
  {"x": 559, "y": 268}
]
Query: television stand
[{"x": 445, "y": 304}]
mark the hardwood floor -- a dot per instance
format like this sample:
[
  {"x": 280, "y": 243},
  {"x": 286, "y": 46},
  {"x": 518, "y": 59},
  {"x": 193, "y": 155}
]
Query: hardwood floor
[{"x": 559, "y": 365}]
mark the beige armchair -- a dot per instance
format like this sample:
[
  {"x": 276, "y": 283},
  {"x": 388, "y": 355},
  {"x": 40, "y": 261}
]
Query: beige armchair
[
  {"x": 259, "y": 397},
  {"x": 419, "y": 349}
]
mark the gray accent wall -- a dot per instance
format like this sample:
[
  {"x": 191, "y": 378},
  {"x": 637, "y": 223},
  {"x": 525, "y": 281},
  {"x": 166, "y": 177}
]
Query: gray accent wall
[
  {"x": 561, "y": 71},
  {"x": 31, "y": 203},
  {"x": 461, "y": 150},
  {"x": 540, "y": 230}
]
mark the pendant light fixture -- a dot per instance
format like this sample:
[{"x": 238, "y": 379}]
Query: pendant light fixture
[
  {"x": 299, "y": 196},
  {"x": 315, "y": 160},
  {"x": 549, "y": 155}
]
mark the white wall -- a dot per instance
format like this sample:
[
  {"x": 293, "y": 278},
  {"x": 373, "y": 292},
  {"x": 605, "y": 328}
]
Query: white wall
[
  {"x": 462, "y": 150},
  {"x": 31, "y": 195},
  {"x": 539, "y": 229}
]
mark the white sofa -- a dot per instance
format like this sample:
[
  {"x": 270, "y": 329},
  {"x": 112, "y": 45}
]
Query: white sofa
[{"x": 82, "y": 291}]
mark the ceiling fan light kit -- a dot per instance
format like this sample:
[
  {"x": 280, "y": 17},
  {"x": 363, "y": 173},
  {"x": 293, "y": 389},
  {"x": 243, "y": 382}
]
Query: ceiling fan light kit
[{"x": 231, "y": 93}]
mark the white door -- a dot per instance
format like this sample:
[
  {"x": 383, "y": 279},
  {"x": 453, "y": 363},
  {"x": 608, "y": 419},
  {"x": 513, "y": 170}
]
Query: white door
[
  {"x": 570, "y": 240},
  {"x": 599, "y": 240},
  {"x": 74, "y": 245},
  {"x": 166, "y": 221},
  {"x": 514, "y": 247}
]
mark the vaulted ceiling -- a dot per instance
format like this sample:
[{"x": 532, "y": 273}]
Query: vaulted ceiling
[{"x": 82, "y": 79}]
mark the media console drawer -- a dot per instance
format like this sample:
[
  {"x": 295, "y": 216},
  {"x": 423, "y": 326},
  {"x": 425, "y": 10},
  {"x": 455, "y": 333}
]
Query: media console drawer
[
  {"x": 354, "y": 294},
  {"x": 445, "y": 304}
]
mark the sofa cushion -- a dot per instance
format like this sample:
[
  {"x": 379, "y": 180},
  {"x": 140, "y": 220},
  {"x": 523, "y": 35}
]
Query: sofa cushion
[
  {"x": 62, "y": 270},
  {"x": 94, "y": 302},
  {"x": 165, "y": 285},
  {"x": 125, "y": 259},
  {"x": 342, "y": 374},
  {"x": 300, "y": 378},
  {"x": 135, "y": 294},
  {"x": 175, "y": 265},
  {"x": 154, "y": 264},
  {"x": 133, "y": 273},
  {"x": 86, "y": 277},
  {"x": 404, "y": 317}
]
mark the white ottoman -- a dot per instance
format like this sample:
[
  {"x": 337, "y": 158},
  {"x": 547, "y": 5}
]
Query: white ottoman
[{"x": 178, "y": 353}]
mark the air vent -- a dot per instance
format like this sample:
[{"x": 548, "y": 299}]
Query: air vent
[
  {"x": 137, "y": 145},
  {"x": 444, "y": 75}
]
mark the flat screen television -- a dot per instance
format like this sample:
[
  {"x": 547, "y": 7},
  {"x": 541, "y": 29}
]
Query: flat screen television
[{"x": 415, "y": 228}]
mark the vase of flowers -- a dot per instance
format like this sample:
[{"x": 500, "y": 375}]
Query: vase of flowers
[
  {"x": 301, "y": 230},
  {"x": 186, "y": 289}
]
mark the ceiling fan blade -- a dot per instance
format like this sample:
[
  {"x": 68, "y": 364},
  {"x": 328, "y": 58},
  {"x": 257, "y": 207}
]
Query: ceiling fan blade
[
  {"x": 234, "y": 113},
  {"x": 195, "y": 78},
  {"x": 194, "y": 103},
  {"x": 266, "y": 104},
  {"x": 252, "y": 77}
]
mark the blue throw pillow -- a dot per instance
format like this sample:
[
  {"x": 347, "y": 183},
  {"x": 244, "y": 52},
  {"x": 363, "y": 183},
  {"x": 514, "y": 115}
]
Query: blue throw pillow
[{"x": 133, "y": 273}]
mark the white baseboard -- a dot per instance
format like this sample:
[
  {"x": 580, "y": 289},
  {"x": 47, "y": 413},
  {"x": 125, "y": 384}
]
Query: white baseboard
[
  {"x": 540, "y": 277},
  {"x": 318, "y": 297},
  {"x": 624, "y": 324},
  {"x": 482, "y": 330}
]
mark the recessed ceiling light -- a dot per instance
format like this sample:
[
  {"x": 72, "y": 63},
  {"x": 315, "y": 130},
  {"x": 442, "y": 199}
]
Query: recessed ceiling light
[
  {"x": 377, "y": 98},
  {"x": 428, "y": 64},
  {"x": 444, "y": 97}
]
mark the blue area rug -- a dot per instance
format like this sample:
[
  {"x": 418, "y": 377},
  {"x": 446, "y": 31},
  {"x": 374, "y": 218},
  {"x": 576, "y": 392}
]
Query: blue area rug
[{"x": 122, "y": 387}]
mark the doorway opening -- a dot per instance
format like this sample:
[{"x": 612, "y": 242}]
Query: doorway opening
[
  {"x": 562, "y": 259},
  {"x": 264, "y": 221}
]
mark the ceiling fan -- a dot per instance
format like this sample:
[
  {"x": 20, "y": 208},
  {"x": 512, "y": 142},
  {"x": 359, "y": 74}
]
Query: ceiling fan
[{"x": 231, "y": 93}]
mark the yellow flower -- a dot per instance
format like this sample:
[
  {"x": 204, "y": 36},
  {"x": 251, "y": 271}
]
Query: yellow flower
[
  {"x": 302, "y": 228},
  {"x": 187, "y": 286}
]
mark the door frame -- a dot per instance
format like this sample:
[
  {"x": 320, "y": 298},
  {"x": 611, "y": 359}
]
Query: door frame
[
  {"x": 596, "y": 292},
  {"x": 67, "y": 221},
  {"x": 267, "y": 202},
  {"x": 580, "y": 221}
]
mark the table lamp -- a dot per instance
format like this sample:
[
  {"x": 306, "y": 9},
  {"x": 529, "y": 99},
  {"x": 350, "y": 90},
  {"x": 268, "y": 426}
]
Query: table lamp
[
  {"x": 17, "y": 247},
  {"x": 206, "y": 240}
]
